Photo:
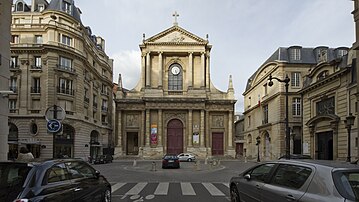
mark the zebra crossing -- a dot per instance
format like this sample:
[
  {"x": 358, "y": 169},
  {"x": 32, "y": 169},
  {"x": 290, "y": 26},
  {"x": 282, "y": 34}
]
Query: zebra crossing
[{"x": 127, "y": 191}]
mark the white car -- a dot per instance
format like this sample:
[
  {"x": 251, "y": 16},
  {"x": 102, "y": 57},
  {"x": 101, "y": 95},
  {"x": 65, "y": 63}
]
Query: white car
[{"x": 186, "y": 157}]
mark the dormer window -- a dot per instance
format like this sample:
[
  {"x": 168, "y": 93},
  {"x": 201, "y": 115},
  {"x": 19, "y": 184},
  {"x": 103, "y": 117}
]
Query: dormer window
[
  {"x": 20, "y": 6},
  {"x": 295, "y": 54},
  {"x": 342, "y": 52},
  {"x": 323, "y": 56},
  {"x": 67, "y": 7}
]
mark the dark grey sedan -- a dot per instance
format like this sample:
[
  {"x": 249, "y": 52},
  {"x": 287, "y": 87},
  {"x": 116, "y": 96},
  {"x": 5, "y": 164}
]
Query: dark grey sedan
[{"x": 297, "y": 180}]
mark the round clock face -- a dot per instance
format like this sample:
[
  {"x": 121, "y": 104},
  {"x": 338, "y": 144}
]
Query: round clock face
[{"x": 175, "y": 70}]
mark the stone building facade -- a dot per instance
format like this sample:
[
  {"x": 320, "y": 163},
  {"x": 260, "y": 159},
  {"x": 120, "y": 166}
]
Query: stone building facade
[
  {"x": 175, "y": 108},
  {"x": 356, "y": 52},
  {"x": 57, "y": 61},
  {"x": 265, "y": 106},
  {"x": 5, "y": 22},
  {"x": 329, "y": 97}
]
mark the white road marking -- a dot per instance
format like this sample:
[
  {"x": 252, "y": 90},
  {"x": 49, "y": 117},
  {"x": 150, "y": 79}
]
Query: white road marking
[
  {"x": 137, "y": 189},
  {"x": 213, "y": 190},
  {"x": 226, "y": 184},
  {"x": 187, "y": 189},
  {"x": 162, "y": 188},
  {"x": 115, "y": 187}
]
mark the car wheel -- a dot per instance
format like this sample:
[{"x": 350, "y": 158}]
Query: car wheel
[
  {"x": 189, "y": 160},
  {"x": 107, "y": 196},
  {"x": 234, "y": 194}
]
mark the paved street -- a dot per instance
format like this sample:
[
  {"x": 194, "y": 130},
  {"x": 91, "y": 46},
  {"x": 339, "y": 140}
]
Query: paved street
[{"x": 147, "y": 181}]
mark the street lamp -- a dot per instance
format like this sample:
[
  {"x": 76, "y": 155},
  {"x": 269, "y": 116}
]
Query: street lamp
[
  {"x": 349, "y": 121},
  {"x": 286, "y": 80},
  {"x": 258, "y": 142}
]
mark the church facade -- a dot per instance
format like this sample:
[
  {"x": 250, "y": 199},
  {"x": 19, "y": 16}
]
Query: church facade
[{"x": 174, "y": 108}]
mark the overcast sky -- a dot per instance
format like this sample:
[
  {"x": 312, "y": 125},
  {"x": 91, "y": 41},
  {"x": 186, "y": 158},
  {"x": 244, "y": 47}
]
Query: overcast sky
[{"x": 244, "y": 33}]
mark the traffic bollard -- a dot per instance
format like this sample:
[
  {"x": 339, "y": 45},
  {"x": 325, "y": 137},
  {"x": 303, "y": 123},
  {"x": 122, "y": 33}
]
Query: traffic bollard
[{"x": 153, "y": 166}]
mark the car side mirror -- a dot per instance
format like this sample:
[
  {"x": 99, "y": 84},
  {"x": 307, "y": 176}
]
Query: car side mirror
[
  {"x": 247, "y": 177},
  {"x": 97, "y": 174}
]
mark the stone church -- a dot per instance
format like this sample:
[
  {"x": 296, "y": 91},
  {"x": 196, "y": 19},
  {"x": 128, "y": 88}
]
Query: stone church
[{"x": 175, "y": 107}]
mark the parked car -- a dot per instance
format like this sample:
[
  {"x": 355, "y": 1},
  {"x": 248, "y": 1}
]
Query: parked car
[
  {"x": 170, "y": 160},
  {"x": 101, "y": 159},
  {"x": 186, "y": 157},
  {"x": 52, "y": 180},
  {"x": 296, "y": 156},
  {"x": 297, "y": 180}
]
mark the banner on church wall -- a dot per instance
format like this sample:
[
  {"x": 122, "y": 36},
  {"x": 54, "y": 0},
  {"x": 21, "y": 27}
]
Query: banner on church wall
[
  {"x": 195, "y": 138},
  {"x": 154, "y": 134}
]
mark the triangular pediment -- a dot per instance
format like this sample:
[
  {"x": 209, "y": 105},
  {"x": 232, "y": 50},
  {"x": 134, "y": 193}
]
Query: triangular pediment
[{"x": 175, "y": 34}]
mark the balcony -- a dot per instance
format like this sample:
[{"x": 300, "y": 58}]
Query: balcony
[
  {"x": 35, "y": 89},
  {"x": 66, "y": 68},
  {"x": 36, "y": 67},
  {"x": 65, "y": 91},
  {"x": 14, "y": 67}
]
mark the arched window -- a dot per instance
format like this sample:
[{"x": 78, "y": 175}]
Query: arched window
[
  {"x": 20, "y": 6},
  {"x": 175, "y": 79}
]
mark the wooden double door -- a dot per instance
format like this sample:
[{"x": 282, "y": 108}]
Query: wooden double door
[
  {"x": 175, "y": 137},
  {"x": 217, "y": 144}
]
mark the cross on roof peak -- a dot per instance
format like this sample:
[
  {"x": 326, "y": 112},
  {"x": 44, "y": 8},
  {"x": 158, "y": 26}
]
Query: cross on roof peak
[{"x": 175, "y": 15}]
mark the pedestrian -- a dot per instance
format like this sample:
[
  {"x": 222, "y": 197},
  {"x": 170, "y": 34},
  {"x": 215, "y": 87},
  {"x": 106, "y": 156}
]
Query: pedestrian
[{"x": 24, "y": 155}]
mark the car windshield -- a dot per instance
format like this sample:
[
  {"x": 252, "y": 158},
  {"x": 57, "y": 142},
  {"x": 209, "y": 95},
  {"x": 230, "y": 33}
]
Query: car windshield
[
  {"x": 170, "y": 157},
  {"x": 12, "y": 177},
  {"x": 347, "y": 184}
]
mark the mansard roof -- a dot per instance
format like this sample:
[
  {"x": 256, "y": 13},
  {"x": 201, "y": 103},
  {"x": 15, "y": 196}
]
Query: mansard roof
[
  {"x": 58, "y": 6},
  {"x": 307, "y": 56}
]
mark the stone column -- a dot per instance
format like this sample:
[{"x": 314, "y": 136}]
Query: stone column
[
  {"x": 202, "y": 76},
  {"x": 190, "y": 128},
  {"x": 160, "y": 133},
  {"x": 190, "y": 70},
  {"x": 143, "y": 131},
  {"x": 201, "y": 138},
  {"x": 207, "y": 118},
  {"x": 143, "y": 70},
  {"x": 160, "y": 73},
  {"x": 207, "y": 71},
  {"x": 148, "y": 70},
  {"x": 230, "y": 129},
  {"x": 119, "y": 128},
  {"x": 119, "y": 147},
  {"x": 147, "y": 133}
]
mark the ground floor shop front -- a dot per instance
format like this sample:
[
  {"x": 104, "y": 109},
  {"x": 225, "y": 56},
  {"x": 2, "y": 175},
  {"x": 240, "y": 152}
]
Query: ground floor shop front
[{"x": 76, "y": 139}]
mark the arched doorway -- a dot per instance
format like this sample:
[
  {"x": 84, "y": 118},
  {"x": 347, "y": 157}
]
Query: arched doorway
[
  {"x": 64, "y": 143},
  {"x": 175, "y": 136},
  {"x": 13, "y": 141},
  {"x": 94, "y": 144},
  {"x": 267, "y": 146}
]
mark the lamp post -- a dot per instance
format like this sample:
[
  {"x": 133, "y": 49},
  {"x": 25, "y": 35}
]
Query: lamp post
[
  {"x": 286, "y": 80},
  {"x": 349, "y": 121},
  {"x": 258, "y": 142}
]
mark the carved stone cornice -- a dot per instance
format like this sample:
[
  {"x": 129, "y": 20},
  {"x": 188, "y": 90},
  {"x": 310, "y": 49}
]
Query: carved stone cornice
[{"x": 173, "y": 115}]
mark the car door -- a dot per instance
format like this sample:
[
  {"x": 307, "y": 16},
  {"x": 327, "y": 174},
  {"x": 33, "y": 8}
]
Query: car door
[
  {"x": 182, "y": 157},
  {"x": 85, "y": 181},
  {"x": 55, "y": 186},
  {"x": 251, "y": 183},
  {"x": 289, "y": 183}
]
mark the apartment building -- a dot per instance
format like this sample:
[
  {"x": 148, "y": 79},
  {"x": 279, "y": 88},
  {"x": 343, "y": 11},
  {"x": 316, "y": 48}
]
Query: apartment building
[
  {"x": 265, "y": 105},
  {"x": 57, "y": 63}
]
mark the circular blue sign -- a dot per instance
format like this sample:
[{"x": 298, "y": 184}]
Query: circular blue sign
[{"x": 53, "y": 126}]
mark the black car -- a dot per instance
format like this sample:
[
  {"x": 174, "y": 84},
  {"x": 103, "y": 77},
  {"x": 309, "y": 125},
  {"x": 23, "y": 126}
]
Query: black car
[
  {"x": 52, "y": 180},
  {"x": 170, "y": 161},
  {"x": 101, "y": 159}
]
